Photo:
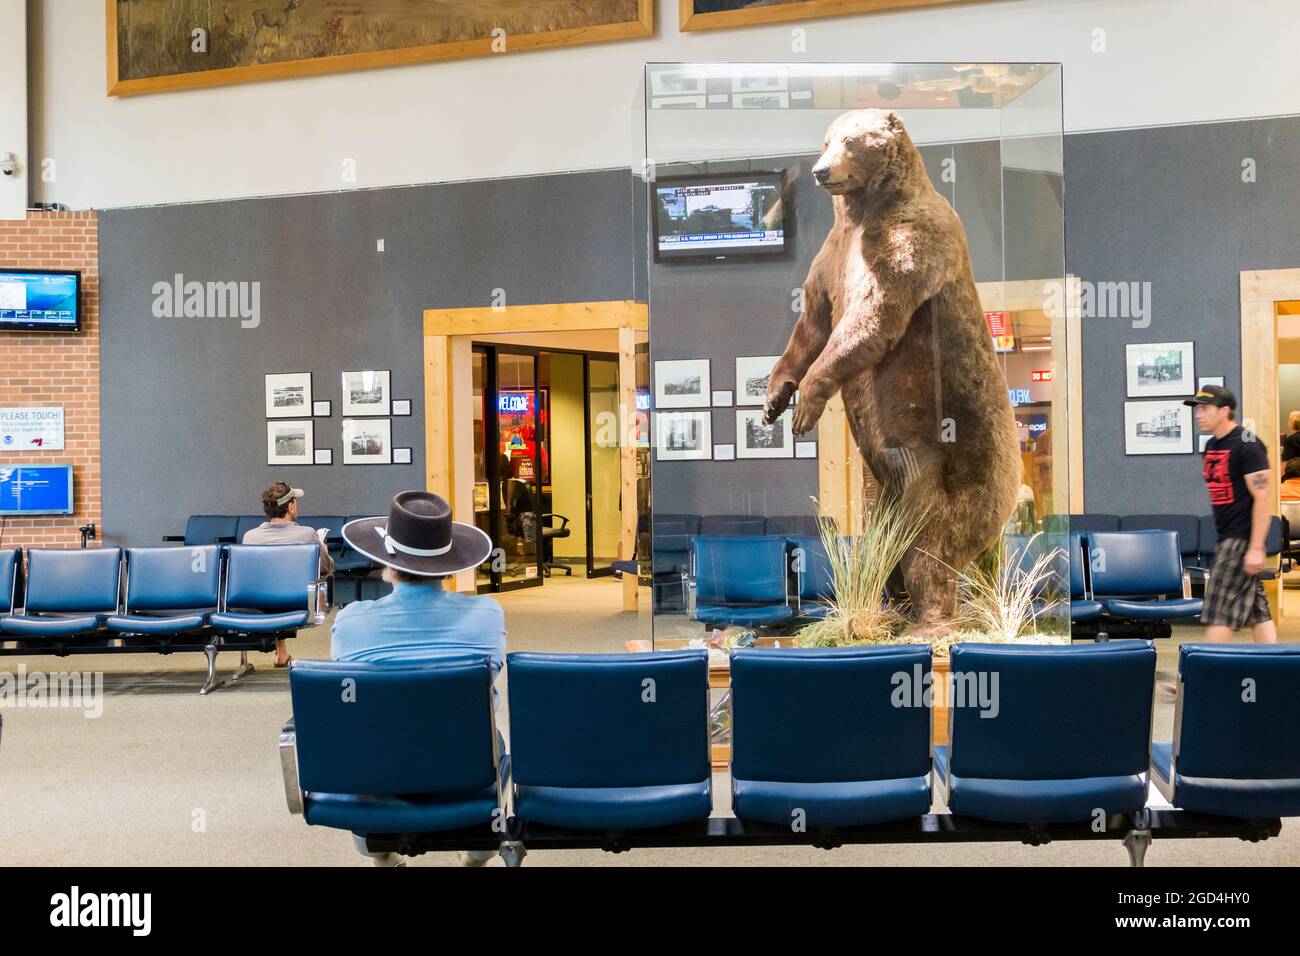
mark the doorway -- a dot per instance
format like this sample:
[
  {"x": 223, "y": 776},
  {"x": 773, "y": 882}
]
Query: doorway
[{"x": 547, "y": 462}]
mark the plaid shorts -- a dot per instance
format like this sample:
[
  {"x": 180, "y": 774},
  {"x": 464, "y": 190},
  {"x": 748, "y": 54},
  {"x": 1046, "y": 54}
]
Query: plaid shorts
[{"x": 1233, "y": 597}]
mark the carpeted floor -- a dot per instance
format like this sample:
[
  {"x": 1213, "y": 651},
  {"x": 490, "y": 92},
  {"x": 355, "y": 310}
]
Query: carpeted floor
[{"x": 164, "y": 777}]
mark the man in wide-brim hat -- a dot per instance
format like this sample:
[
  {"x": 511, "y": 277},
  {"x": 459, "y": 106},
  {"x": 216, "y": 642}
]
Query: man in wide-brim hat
[{"x": 419, "y": 546}]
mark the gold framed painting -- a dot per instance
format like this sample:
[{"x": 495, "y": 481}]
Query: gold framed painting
[
  {"x": 717, "y": 14},
  {"x": 156, "y": 45}
]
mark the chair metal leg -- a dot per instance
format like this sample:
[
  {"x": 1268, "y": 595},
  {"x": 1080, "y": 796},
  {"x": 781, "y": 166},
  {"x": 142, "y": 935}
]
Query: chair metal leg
[
  {"x": 244, "y": 667},
  {"x": 1136, "y": 842},
  {"x": 513, "y": 852},
  {"x": 376, "y": 859},
  {"x": 211, "y": 683}
]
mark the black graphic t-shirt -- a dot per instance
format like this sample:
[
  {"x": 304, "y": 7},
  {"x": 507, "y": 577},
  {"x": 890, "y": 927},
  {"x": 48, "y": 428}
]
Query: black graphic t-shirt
[{"x": 1227, "y": 462}]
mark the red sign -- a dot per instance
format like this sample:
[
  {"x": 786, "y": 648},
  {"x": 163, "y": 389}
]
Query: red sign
[
  {"x": 999, "y": 324},
  {"x": 1041, "y": 375}
]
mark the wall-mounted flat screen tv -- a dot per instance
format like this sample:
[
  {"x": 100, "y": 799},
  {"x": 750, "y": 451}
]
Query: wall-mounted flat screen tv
[
  {"x": 35, "y": 490},
  {"x": 40, "y": 300},
  {"x": 718, "y": 217}
]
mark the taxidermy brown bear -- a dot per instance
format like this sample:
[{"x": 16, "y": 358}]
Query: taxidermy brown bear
[{"x": 891, "y": 319}]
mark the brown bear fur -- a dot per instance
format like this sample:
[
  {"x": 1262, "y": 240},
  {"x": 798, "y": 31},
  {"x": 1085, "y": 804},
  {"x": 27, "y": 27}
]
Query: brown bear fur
[{"x": 891, "y": 319}]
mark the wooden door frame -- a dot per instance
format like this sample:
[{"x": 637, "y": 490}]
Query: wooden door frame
[
  {"x": 448, "y": 408},
  {"x": 840, "y": 468}
]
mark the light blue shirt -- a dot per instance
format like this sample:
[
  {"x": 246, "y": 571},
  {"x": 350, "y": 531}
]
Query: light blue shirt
[{"x": 419, "y": 623}]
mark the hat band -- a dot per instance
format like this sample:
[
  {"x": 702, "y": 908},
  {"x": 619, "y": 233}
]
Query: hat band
[{"x": 392, "y": 546}]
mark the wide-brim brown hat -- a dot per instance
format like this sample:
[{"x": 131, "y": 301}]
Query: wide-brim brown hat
[{"x": 419, "y": 537}]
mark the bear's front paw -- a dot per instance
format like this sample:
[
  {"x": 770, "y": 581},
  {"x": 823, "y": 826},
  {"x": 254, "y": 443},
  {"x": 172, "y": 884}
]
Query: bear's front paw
[
  {"x": 778, "y": 400},
  {"x": 806, "y": 414}
]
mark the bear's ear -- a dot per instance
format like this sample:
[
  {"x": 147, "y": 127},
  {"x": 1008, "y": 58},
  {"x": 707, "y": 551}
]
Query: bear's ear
[{"x": 893, "y": 122}]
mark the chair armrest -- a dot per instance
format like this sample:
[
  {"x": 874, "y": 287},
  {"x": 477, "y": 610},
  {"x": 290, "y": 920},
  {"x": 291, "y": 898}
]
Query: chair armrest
[
  {"x": 289, "y": 767},
  {"x": 173, "y": 537},
  {"x": 688, "y": 595},
  {"x": 226, "y": 539},
  {"x": 550, "y": 514},
  {"x": 1191, "y": 569},
  {"x": 318, "y": 600}
]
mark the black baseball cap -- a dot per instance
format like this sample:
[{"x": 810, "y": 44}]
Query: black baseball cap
[{"x": 1213, "y": 395}]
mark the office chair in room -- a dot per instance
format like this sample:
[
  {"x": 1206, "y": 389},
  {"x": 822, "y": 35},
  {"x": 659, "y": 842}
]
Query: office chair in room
[{"x": 521, "y": 521}]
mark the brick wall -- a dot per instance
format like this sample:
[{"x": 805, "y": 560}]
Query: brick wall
[{"x": 55, "y": 369}]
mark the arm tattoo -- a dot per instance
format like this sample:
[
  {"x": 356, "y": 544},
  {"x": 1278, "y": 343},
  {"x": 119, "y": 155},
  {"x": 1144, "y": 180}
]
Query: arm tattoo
[{"x": 1259, "y": 482}]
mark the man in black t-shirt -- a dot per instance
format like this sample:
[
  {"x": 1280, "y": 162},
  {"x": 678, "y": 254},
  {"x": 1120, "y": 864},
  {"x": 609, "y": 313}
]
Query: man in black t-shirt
[{"x": 1237, "y": 477}]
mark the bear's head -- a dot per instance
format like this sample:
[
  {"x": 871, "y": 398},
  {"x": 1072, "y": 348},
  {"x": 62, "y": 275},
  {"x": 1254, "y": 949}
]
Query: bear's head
[{"x": 862, "y": 148}]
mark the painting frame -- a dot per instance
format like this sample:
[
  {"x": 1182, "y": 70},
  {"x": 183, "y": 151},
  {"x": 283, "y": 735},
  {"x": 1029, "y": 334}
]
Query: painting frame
[
  {"x": 751, "y": 367},
  {"x": 689, "y": 20},
  {"x": 274, "y": 429},
  {"x": 381, "y": 379},
  {"x": 1136, "y": 387},
  {"x": 668, "y": 372},
  {"x": 353, "y": 425},
  {"x": 1136, "y": 445},
  {"x": 643, "y": 25},
  {"x": 784, "y": 425},
  {"x": 704, "y": 437},
  {"x": 278, "y": 382}
]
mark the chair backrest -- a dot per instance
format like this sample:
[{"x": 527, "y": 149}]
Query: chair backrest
[
  {"x": 740, "y": 570},
  {"x": 1078, "y": 565},
  {"x": 816, "y": 580},
  {"x": 1094, "y": 522},
  {"x": 1273, "y": 542},
  {"x": 1209, "y": 537},
  {"x": 519, "y": 497},
  {"x": 1056, "y": 524},
  {"x": 398, "y": 729},
  {"x": 333, "y": 525},
  {"x": 1057, "y": 711},
  {"x": 10, "y": 563},
  {"x": 172, "y": 579},
  {"x": 732, "y": 525},
  {"x": 609, "y": 720},
  {"x": 245, "y": 524},
  {"x": 210, "y": 529},
  {"x": 671, "y": 537},
  {"x": 784, "y": 700},
  {"x": 77, "y": 580},
  {"x": 793, "y": 525},
  {"x": 270, "y": 577},
  {"x": 347, "y": 549},
  {"x": 1135, "y": 563},
  {"x": 1240, "y": 711},
  {"x": 1187, "y": 526}
]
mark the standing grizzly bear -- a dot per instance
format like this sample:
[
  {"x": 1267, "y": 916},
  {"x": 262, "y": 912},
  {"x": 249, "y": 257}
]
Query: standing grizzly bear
[{"x": 892, "y": 320}]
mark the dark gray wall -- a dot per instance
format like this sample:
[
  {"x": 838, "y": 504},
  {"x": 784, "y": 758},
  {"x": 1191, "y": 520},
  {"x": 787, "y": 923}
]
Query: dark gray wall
[
  {"x": 1168, "y": 206},
  {"x": 183, "y": 422}
]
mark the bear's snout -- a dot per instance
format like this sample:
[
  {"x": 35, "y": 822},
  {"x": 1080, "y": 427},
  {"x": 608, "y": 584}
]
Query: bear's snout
[{"x": 821, "y": 173}]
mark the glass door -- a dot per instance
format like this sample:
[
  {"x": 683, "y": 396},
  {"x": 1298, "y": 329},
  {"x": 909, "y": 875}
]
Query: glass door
[
  {"x": 511, "y": 460},
  {"x": 604, "y": 466}
]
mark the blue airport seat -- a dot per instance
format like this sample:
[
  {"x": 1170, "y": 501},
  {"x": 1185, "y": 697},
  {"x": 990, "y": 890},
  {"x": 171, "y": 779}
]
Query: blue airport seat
[
  {"x": 1087, "y": 523},
  {"x": 11, "y": 564},
  {"x": 1068, "y": 731},
  {"x": 670, "y": 556},
  {"x": 1133, "y": 571},
  {"x": 610, "y": 741},
  {"x": 207, "y": 529},
  {"x": 794, "y": 525},
  {"x": 270, "y": 588},
  {"x": 245, "y": 524},
  {"x": 1083, "y": 609},
  {"x": 1187, "y": 526},
  {"x": 411, "y": 749},
  {"x": 69, "y": 593},
  {"x": 873, "y": 766},
  {"x": 169, "y": 591},
  {"x": 1235, "y": 751},
  {"x": 814, "y": 580},
  {"x": 712, "y": 526},
  {"x": 740, "y": 581}
]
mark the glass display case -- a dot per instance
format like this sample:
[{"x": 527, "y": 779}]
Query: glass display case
[{"x": 955, "y": 377}]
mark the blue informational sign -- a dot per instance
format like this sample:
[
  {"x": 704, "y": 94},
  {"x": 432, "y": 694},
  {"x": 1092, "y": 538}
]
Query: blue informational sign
[{"x": 35, "y": 490}]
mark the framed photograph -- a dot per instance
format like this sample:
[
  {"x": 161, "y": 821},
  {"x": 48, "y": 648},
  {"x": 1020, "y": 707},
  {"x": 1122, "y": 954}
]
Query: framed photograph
[
  {"x": 752, "y": 374},
  {"x": 149, "y": 44},
  {"x": 401, "y": 456},
  {"x": 321, "y": 409},
  {"x": 678, "y": 103},
  {"x": 682, "y": 384},
  {"x": 760, "y": 101},
  {"x": 1209, "y": 380},
  {"x": 290, "y": 443},
  {"x": 366, "y": 393},
  {"x": 684, "y": 436},
  {"x": 722, "y": 400},
  {"x": 288, "y": 395},
  {"x": 1161, "y": 368},
  {"x": 755, "y": 82},
  {"x": 401, "y": 407},
  {"x": 721, "y": 14},
  {"x": 1157, "y": 428},
  {"x": 756, "y": 440},
  {"x": 724, "y": 452},
  {"x": 677, "y": 82},
  {"x": 367, "y": 441},
  {"x": 324, "y": 456}
]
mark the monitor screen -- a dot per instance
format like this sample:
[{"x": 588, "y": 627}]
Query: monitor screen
[
  {"x": 35, "y": 300},
  {"x": 35, "y": 490},
  {"x": 715, "y": 217}
]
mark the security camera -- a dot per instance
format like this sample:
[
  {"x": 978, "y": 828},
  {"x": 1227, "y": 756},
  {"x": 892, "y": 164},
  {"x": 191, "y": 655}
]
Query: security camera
[{"x": 8, "y": 164}]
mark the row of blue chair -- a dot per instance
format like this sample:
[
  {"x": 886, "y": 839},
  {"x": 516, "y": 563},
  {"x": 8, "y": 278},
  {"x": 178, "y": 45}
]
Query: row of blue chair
[
  {"x": 1128, "y": 577},
  {"x": 1197, "y": 535},
  {"x": 207, "y": 597},
  {"x": 830, "y": 746},
  {"x": 349, "y": 564},
  {"x": 765, "y": 581}
]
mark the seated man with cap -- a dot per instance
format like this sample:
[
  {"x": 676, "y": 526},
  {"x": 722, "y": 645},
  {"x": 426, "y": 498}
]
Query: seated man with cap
[
  {"x": 280, "y": 504},
  {"x": 419, "y": 546}
]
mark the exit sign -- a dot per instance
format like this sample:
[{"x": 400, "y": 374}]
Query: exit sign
[{"x": 1041, "y": 375}]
